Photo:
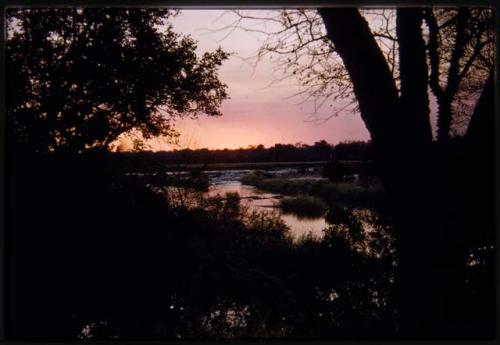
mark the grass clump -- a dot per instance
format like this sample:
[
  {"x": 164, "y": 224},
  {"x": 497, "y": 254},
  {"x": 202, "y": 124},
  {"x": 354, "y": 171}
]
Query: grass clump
[
  {"x": 349, "y": 193},
  {"x": 255, "y": 177},
  {"x": 304, "y": 206}
]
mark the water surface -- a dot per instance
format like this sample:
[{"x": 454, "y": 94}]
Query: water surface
[{"x": 222, "y": 182}]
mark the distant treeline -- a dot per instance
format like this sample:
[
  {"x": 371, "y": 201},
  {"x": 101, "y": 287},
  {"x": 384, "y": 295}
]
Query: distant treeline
[{"x": 319, "y": 151}]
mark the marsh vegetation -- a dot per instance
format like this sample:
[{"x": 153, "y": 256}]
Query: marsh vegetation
[
  {"x": 304, "y": 206},
  {"x": 353, "y": 192}
]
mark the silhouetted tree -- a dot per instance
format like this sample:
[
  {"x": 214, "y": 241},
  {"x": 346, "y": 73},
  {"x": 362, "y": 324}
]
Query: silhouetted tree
[
  {"x": 353, "y": 150},
  {"x": 460, "y": 45},
  {"x": 386, "y": 68},
  {"x": 421, "y": 182},
  {"x": 80, "y": 77},
  {"x": 459, "y": 49}
]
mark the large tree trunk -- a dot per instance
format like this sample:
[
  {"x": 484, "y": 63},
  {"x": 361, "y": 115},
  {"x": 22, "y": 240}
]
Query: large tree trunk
[
  {"x": 413, "y": 75},
  {"x": 372, "y": 80},
  {"x": 431, "y": 257},
  {"x": 444, "y": 118},
  {"x": 481, "y": 127},
  {"x": 481, "y": 209},
  {"x": 421, "y": 301}
]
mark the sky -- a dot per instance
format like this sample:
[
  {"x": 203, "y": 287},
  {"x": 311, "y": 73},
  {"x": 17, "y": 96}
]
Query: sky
[{"x": 257, "y": 112}]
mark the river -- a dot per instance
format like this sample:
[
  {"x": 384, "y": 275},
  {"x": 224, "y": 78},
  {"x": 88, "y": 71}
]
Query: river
[
  {"x": 228, "y": 181},
  {"x": 221, "y": 182}
]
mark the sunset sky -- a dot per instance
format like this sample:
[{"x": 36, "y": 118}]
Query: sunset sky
[{"x": 256, "y": 113}]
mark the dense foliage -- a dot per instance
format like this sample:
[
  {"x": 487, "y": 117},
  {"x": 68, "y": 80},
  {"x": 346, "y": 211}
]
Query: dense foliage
[
  {"x": 78, "y": 78},
  {"x": 100, "y": 256},
  {"x": 115, "y": 259}
]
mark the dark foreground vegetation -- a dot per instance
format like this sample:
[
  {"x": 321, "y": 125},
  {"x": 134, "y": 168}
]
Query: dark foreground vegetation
[
  {"x": 109, "y": 258},
  {"x": 108, "y": 254}
]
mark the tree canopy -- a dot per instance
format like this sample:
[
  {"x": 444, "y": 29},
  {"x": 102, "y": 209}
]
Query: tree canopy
[{"x": 78, "y": 78}]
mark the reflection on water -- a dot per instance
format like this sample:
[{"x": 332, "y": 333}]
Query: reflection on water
[
  {"x": 223, "y": 182},
  {"x": 255, "y": 199},
  {"x": 300, "y": 227}
]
